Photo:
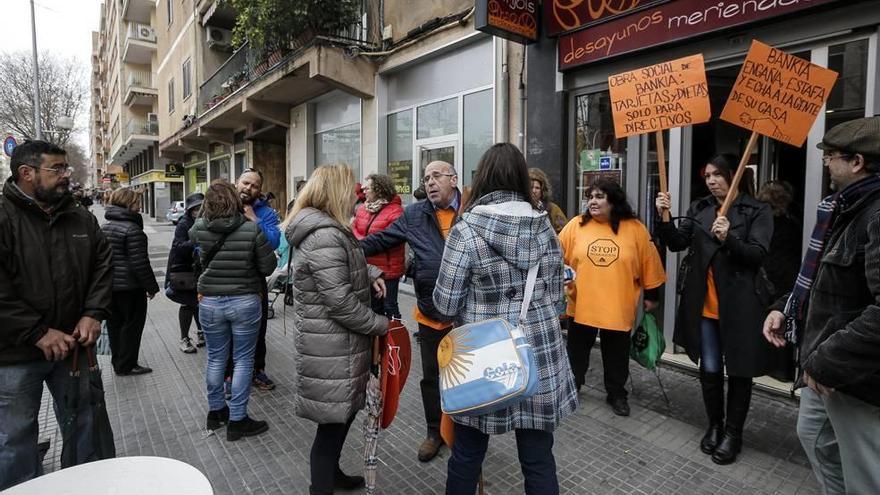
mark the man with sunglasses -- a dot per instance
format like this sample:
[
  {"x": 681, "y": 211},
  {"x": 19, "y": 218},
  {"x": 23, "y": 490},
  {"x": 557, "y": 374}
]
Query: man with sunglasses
[
  {"x": 833, "y": 316},
  {"x": 424, "y": 225},
  {"x": 55, "y": 289},
  {"x": 258, "y": 210}
]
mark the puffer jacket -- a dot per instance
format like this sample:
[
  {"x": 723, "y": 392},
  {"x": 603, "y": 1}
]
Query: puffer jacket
[
  {"x": 393, "y": 261},
  {"x": 55, "y": 268},
  {"x": 334, "y": 323},
  {"x": 485, "y": 266},
  {"x": 131, "y": 259},
  {"x": 244, "y": 258}
]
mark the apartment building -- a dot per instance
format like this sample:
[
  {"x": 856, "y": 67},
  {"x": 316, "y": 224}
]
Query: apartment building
[{"x": 128, "y": 101}]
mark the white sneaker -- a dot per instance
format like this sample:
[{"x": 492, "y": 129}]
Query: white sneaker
[{"x": 186, "y": 346}]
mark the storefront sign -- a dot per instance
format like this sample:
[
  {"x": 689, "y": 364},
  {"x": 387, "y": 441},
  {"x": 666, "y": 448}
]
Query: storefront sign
[
  {"x": 173, "y": 170},
  {"x": 122, "y": 177},
  {"x": 515, "y": 20},
  {"x": 778, "y": 95},
  {"x": 666, "y": 23},
  {"x": 661, "y": 96},
  {"x": 567, "y": 15},
  {"x": 401, "y": 175}
]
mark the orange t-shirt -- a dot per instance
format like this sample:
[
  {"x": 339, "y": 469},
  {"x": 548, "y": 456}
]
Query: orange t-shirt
[
  {"x": 710, "y": 303},
  {"x": 445, "y": 217},
  {"x": 611, "y": 269}
]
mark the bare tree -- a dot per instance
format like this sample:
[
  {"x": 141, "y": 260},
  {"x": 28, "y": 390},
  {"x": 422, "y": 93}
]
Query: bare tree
[
  {"x": 79, "y": 160},
  {"x": 64, "y": 92}
]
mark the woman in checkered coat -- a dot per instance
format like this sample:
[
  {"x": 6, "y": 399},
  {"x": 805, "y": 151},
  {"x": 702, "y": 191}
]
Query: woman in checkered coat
[{"x": 483, "y": 275}]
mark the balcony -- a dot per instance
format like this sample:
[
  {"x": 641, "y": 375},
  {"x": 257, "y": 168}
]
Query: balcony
[
  {"x": 137, "y": 10},
  {"x": 140, "y": 89},
  {"x": 137, "y": 136},
  {"x": 140, "y": 44}
]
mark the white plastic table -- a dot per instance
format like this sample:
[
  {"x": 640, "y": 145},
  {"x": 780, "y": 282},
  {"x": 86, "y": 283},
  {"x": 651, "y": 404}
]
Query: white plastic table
[{"x": 122, "y": 475}]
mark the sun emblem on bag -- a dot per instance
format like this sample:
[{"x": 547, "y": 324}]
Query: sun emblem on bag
[
  {"x": 603, "y": 252},
  {"x": 452, "y": 357}
]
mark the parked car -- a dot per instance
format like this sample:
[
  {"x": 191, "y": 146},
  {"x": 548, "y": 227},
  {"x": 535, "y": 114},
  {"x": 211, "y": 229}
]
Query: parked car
[{"x": 175, "y": 211}]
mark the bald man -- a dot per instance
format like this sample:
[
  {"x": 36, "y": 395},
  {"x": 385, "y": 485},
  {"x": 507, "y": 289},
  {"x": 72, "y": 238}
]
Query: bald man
[{"x": 424, "y": 226}]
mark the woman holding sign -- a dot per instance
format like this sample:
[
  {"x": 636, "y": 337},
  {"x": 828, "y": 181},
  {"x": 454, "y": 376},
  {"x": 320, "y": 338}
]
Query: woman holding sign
[{"x": 721, "y": 309}]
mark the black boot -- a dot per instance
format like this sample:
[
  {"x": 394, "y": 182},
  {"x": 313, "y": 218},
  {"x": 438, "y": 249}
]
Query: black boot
[
  {"x": 739, "y": 396},
  {"x": 245, "y": 427},
  {"x": 346, "y": 482},
  {"x": 713, "y": 399},
  {"x": 217, "y": 418}
]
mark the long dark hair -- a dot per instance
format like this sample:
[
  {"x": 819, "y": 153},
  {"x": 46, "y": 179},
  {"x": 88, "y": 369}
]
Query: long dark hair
[
  {"x": 620, "y": 208},
  {"x": 727, "y": 163},
  {"x": 501, "y": 168}
]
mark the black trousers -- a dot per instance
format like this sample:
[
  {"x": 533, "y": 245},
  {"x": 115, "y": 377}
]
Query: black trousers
[
  {"x": 324, "y": 457},
  {"x": 260, "y": 352},
  {"x": 615, "y": 356},
  {"x": 429, "y": 340},
  {"x": 185, "y": 316},
  {"x": 128, "y": 314}
]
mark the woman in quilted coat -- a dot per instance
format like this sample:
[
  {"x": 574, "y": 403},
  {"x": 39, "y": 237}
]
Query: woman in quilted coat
[
  {"x": 381, "y": 208},
  {"x": 334, "y": 323},
  {"x": 483, "y": 275}
]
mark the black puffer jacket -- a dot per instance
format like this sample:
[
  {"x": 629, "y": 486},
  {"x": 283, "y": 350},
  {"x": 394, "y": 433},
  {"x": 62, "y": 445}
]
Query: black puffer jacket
[
  {"x": 181, "y": 255},
  {"x": 54, "y": 269},
  {"x": 244, "y": 258},
  {"x": 131, "y": 260}
]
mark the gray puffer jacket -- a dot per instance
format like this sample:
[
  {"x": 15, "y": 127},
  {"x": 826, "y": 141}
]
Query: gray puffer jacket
[
  {"x": 244, "y": 258},
  {"x": 333, "y": 322}
]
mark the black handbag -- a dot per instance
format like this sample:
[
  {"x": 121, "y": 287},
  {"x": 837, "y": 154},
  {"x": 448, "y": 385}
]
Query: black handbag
[
  {"x": 182, "y": 281},
  {"x": 79, "y": 399}
]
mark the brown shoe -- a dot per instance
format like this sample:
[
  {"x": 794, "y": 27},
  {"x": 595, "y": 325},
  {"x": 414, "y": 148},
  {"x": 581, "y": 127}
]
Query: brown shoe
[{"x": 429, "y": 448}]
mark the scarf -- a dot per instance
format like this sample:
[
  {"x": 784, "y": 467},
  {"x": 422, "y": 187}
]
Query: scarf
[
  {"x": 375, "y": 206},
  {"x": 828, "y": 212}
]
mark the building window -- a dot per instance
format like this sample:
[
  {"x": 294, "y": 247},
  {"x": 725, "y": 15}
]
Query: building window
[
  {"x": 400, "y": 151},
  {"x": 171, "y": 96},
  {"x": 597, "y": 152},
  {"x": 170, "y": 4},
  {"x": 438, "y": 119},
  {"x": 340, "y": 146},
  {"x": 187, "y": 79},
  {"x": 477, "y": 132}
]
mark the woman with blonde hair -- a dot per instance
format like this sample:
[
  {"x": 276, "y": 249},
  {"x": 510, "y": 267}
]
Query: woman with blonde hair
[
  {"x": 133, "y": 280},
  {"x": 334, "y": 324},
  {"x": 235, "y": 256}
]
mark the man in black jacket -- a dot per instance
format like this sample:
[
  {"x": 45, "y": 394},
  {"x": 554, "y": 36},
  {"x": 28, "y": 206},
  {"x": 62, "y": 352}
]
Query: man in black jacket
[
  {"x": 424, "y": 226},
  {"x": 55, "y": 289},
  {"x": 833, "y": 315}
]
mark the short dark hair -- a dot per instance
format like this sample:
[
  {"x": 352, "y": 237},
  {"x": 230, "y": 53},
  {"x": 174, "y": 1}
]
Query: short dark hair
[
  {"x": 616, "y": 196},
  {"x": 501, "y": 168},
  {"x": 30, "y": 153},
  {"x": 382, "y": 186}
]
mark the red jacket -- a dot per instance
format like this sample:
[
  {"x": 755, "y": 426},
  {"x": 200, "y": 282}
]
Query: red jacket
[{"x": 391, "y": 262}]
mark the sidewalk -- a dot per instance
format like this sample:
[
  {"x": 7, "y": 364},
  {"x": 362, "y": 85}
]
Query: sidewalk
[{"x": 653, "y": 451}]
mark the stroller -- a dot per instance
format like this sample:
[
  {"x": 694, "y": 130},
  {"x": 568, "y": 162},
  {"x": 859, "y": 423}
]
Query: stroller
[{"x": 278, "y": 284}]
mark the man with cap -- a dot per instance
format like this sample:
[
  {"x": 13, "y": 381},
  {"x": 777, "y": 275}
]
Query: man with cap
[
  {"x": 833, "y": 316},
  {"x": 180, "y": 281}
]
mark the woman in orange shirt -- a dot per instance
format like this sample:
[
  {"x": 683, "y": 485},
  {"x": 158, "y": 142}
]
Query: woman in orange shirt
[
  {"x": 612, "y": 254},
  {"x": 720, "y": 312}
]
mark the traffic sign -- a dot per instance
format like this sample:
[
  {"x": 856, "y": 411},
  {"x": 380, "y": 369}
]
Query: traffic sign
[{"x": 9, "y": 145}]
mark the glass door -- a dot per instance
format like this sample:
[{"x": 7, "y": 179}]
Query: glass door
[{"x": 445, "y": 151}]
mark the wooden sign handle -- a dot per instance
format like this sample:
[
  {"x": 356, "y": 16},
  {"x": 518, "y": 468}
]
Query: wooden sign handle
[
  {"x": 734, "y": 186},
  {"x": 661, "y": 164}
]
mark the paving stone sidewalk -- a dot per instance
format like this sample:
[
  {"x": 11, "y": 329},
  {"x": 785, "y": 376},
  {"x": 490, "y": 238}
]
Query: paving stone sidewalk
[{"x": 655, "y": 450}]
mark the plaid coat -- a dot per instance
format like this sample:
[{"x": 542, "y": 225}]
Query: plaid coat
[{"x": 483, "y": 275}]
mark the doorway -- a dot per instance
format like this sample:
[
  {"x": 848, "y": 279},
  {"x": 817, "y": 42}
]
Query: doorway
[{"x": 443, "y": 151}]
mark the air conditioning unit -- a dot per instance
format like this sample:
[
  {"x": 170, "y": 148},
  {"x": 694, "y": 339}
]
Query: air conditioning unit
[
  {"x": 219, "y": 39},
  {"x": 145, "y": 32}
]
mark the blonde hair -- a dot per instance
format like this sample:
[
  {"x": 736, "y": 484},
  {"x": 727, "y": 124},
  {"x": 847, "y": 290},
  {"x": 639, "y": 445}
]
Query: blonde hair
[
  {"x": 538, "y": 175},
  {"x": 125, "y": 197},
  {"x": 330, "y": 190}
]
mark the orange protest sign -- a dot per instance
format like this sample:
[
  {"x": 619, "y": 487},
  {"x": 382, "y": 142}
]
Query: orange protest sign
[
  {"x": 660, "y": 96},
  {"x": 777, "y": 94}
]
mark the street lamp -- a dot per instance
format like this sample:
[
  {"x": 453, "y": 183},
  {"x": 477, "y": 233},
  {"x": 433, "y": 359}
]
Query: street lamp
[{"x": 38, "y": 128}]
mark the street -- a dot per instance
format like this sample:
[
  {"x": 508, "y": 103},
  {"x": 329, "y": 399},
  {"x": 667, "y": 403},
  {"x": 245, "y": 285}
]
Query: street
[{"x": 655, "y": 450}]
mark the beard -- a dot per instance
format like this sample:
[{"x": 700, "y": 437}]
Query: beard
[
  {"x": 52, "y": 196},
  {"x": 246, "y": 198}
]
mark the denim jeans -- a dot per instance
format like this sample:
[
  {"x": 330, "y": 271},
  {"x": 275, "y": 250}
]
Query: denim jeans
[
  {"x": 234, "y": 319},
  {"x": 711, "y": 360},
  {"x": 388, "y": 306},
  {"x": 535, "y": 450},
  {"x": 21, "y": 391}
]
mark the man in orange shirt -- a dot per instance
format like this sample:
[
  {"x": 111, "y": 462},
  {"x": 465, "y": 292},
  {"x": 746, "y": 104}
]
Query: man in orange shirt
[{"x": 424, "y": 225}]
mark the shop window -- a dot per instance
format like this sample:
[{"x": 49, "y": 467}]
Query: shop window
[
  {"x": 597, "y": 152},
  {"x": 400, "y": 151},
  {"x": 240, "y": 163},
  {"x": 477, "y": 132},
  {"x": 438, "y": 119},
  {"x": 340, "y": 146},
  {"x": 220, "y": 169}
]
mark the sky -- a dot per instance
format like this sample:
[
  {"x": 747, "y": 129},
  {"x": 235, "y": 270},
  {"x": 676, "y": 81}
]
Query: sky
[{"x": 64, "y": 27}]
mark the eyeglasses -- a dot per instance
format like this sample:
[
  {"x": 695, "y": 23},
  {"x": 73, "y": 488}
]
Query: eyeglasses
[
  {"x": 65, "y": 170},
  {"x": 435, "y": 177},
  {"x": 827, "y": 158}
]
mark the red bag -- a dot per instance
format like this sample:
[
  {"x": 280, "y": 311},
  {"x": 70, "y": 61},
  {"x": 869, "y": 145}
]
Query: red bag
[{"x": 396, "y": 353}]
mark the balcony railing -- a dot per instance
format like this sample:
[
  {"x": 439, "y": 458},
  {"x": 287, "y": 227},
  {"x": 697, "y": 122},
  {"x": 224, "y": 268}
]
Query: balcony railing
[
  {"x": 140, "y": 79},
  {"x": 141, "y": 127}
]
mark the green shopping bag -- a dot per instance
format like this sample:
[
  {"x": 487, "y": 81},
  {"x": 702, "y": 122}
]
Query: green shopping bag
[{"x": 648, "y": 343}]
